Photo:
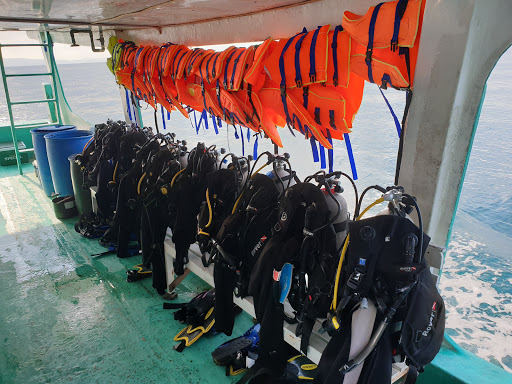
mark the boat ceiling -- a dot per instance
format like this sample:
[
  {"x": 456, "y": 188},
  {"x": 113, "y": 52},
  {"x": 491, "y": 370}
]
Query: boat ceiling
[
  {"x": 127, "y": 14},
  {"x": 192, "y": 22}
]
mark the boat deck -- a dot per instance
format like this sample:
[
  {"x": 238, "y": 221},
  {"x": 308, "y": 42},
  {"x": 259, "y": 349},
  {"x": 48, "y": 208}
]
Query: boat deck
[{"x": 67, "y": 316}]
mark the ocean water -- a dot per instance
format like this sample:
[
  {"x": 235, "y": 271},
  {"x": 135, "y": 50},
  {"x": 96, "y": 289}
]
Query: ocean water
[{"x": 477, "y": 277}]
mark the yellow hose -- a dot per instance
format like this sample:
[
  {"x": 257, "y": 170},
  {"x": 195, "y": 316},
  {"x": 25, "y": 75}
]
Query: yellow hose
[
  {"x": 115, "y": 171},
  {"x": 240, "y": 197},
  {"x": 334, "y": 303},
  {"x": 175, "y": 176},
  {"x": 140, "y": 182},
  {"x": 87, "y": 144},
  {"x": 209, "y": 208}
]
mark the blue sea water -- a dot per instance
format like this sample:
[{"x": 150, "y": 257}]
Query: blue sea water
[{"x": 477, "y": 276}]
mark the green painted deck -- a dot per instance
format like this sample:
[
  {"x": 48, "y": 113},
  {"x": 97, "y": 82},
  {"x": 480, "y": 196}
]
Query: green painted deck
[{"x": 68, "y": 317}]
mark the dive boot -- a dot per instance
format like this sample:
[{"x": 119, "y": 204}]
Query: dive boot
[{"x": 138, "y": 273}]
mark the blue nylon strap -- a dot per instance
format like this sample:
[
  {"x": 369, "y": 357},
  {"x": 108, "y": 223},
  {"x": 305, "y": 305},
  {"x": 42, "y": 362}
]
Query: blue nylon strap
[
  {"x": 215, "y": 124},
  {"x": 195, "y": 121},
  {"x": 314, "y": 149},
  {"x": 163, "y": 116},
  {"x": 219, "y": 122},
  {"x": 397, "y": 123},
  {"x": 296, "y": 119},
  {"x": 214, "y": 64},
  {"x": 179, "y": 61},
  {"x": 255, "y": 148},
  {"x": 281, "y": 61},
  {"x": 322, "y": 156},
  {"x": 217, "y": 91},
  {"x": 173, "y": 70},
  {"x": 330, "y": 153},
  {"x": 193, "y": 58},
  {"x": 248, "y": 135},
  {"x": 371, "y": 34},
  {"x": 168, "y": 115},
  {"x": 234, "y": 68},
  {"x": 312, "y": 57},
  {"x": 133, "y": 72},
  {"x": 307, "y": 132},
  {"x": 129, "y": 110},
  {"x": 350, "y": 156},
  {"x": 298, "y": 76},
  {"x": 243, "y": 143},
  {"x": 236, "y": 133},
  {"x": 283, "y": 79},
  {"x": 401, "y": 5},
  {"x": 225, "y": 83},
  {"x": 208, "y": 68},
  {"x": 202, "y": 87},
  {"x": 204, "y": 117},
  {"x": 334, "y": 47}
]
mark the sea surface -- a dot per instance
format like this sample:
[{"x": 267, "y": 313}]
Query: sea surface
[{"x": 477, "y": 278}]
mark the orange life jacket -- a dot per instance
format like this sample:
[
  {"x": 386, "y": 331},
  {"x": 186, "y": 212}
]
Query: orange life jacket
[
  {"x": 139, "y": 84},
  {"x": 292, "y": 112},
  {"x": 395, "y": 24},
  {"x": 212, "y": 66},
  {"x": 180, "y": 61},
  {"x": 326, "y": 106},
  {"x": 123, "y": 74},
  {"x": 255, "y": 75},
  {"x": 384, "y": 67},
  {"x": 236, "y": 64},
  {"x": 204, "y": 98},
  {"x": 195, "y": 59},
  {"x": 299, "y": 60},
  {"x": 159, "y": 73},
  {"x": 353, "y": 95},
  {"x": 381, "y": 41}
]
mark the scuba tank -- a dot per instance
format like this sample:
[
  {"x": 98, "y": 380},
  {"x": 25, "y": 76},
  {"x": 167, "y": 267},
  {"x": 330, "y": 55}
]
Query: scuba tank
[
  {"x": 183, "y": 156},
  {"x": 282, "y": 173},
  {"x": 334, "y": 200}
]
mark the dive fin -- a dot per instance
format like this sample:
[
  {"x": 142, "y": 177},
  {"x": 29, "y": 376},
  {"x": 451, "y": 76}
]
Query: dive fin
[
  {"x": 190, "y": 334},
  {"x": 300, "y": 369},
  {"x": 138, "y": 273}
]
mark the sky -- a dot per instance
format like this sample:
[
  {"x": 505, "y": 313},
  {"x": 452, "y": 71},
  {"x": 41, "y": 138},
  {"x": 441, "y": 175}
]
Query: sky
[{"x": 62, "y": 52}]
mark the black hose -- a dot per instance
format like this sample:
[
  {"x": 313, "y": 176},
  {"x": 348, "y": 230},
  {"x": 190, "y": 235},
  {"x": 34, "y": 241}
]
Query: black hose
[{"x": 420, "y": 224}]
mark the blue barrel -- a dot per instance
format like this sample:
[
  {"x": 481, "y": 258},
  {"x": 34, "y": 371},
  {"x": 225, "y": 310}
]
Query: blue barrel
[
  {"x": 59, "y": 146},
  {"x": 45, "y": 175}
]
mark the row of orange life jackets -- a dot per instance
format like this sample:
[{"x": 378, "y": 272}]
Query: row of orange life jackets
[{"x": 312, "y": 82}]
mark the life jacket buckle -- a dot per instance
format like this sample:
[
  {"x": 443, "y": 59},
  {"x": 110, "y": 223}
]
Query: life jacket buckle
[
  {"x": 312, "y": 77},
  {"x": 298, "y": 83},
  {"x": 369, "y": 53},
  {"x": 394, "y": 45},
  {"x": 335, "y": 81},
  {"x": 283, "y": 90}
]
